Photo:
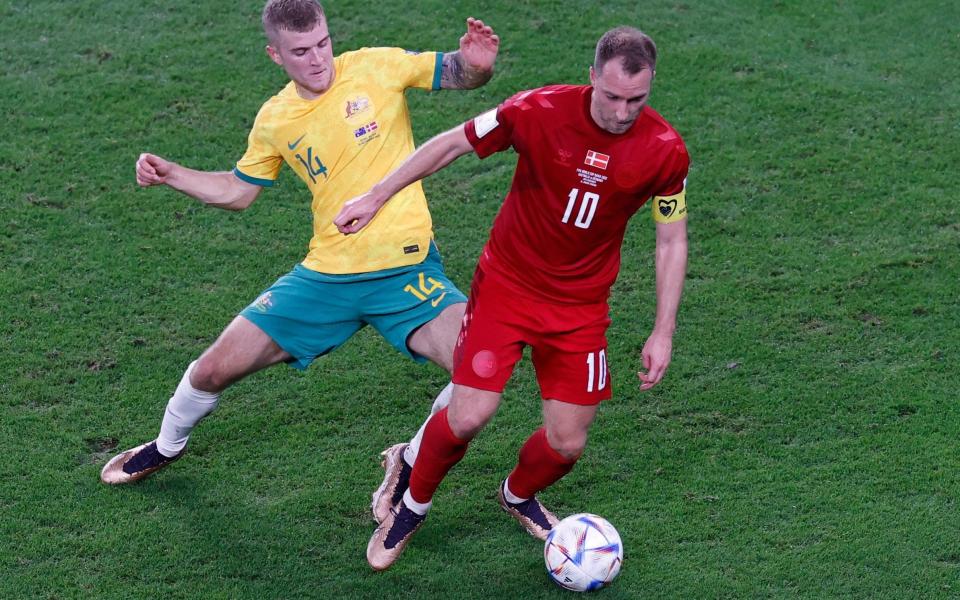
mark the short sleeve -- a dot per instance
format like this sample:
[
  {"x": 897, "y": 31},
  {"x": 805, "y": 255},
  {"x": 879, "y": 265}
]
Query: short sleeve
[
  {"x": 670, "y": 203},
  {"x": 493, "y": 131},
  {"x": 260, "y": 164},
  {"x": 399, "y": 69}
]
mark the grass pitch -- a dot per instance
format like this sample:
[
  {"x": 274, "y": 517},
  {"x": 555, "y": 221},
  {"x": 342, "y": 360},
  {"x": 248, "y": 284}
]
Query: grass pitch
[{"x": 803, "y": 444}]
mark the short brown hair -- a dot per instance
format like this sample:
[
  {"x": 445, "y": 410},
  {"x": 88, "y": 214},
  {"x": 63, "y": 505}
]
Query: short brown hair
[
  {"x": 633, "y": 46},
  {"x": 291, "y": 15}
]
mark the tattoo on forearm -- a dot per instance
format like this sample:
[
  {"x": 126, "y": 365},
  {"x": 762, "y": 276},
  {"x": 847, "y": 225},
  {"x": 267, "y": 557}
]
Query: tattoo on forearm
[
  {"x": 457, "y": 75},
  {"x": 451, "y": 75}
]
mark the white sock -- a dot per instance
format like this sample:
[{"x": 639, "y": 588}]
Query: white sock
[
  {"x": 441, "y": 401},
  {"x": 510, "y": 496},
  {"x": 184, "y": 410},
  {"x": 420, "y": 508}
]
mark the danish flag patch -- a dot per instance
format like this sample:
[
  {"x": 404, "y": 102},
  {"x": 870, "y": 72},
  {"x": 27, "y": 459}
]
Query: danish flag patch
[{"x": 595, "y": 159}]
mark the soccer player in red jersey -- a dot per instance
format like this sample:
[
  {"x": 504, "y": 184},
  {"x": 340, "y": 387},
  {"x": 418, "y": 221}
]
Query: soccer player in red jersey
[{"x": 588, "y": 158}]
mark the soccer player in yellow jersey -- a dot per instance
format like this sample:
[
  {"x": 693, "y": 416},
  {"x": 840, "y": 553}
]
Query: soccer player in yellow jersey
[{"x": 341, "y": 124}]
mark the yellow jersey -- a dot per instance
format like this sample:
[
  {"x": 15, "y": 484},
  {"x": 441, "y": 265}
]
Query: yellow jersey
[{"x": 341, "y": 144}]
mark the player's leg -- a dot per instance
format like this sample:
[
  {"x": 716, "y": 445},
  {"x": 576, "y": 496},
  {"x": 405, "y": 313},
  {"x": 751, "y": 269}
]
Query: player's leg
[
  {"x": 488, "y": 347},
  {"x": 300, "y": 317},
  {"x": 419, "y": 312},
  {"x": 546, "y": 456},
  {"x": 445, "y": 441},
  {"x": 434, "y": 340},
  {"x": 397, "y": 462},
  {"x": 242, "y": 349},
  {"x": 572, "y": 372}
]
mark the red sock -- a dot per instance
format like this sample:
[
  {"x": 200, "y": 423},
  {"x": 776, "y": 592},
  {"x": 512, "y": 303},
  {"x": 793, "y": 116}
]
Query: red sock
[
  {"x": 540, "y": 466},
  {"x": 440, "y": 449}
]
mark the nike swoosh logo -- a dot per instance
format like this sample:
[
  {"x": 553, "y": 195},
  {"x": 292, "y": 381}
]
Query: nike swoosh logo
[
  {"x": 293, "y": 145},
  {"x": 434, "y": 303}
]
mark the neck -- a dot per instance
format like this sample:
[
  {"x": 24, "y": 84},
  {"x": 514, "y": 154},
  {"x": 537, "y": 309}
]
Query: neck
[
  {"x": 593, "y": 110},
  {"x": 307, "y": 94}
]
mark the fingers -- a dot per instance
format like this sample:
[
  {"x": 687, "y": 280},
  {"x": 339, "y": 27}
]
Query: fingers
[
  {"x": 347, "y": 223},
  {"x": 343, "y": 222},
  {"x": 147, "y": 174},
  {"x": 346, "y": 214},
  {"x": 477, "y": 27},
  {"x": 653, "y": 375},
  {"x": 649, "y": 379},
  {"x": 350, "y": 227}
]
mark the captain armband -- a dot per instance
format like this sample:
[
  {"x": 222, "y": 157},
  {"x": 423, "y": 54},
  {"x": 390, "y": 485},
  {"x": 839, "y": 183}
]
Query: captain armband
[{"x": 669, "y": 209}]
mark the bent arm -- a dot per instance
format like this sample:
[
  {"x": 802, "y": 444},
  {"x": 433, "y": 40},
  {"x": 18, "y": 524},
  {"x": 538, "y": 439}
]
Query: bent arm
[
  {"x": 218, "y": 189},
  {"x": 429, "y": 158},
  {"x": 426, "y": 160},
  {"x": 221, "y": 189}
]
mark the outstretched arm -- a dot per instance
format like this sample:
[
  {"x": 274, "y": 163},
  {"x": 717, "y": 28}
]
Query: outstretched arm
[
  {"x": 427, "y": 159},
  {"x": 671, "y": 266},
  {"x": 221, "y": 189},
  {"x": 472, "y": 65}
]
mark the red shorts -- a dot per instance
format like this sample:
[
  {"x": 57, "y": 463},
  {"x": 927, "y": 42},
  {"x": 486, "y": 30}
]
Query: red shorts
[{"x": 569, "y": 343}]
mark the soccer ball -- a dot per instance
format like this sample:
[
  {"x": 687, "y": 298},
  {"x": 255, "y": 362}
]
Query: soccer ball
[{"x": 583, "y": 552}]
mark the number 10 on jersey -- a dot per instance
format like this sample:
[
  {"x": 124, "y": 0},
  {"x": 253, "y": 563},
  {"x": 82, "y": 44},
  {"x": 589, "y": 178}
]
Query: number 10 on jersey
[
  {"x": 596, "y": 370},
  {"x": 587, "y": 208}
]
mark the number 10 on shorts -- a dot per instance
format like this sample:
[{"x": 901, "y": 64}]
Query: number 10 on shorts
[{"x": 596, "y": 371}]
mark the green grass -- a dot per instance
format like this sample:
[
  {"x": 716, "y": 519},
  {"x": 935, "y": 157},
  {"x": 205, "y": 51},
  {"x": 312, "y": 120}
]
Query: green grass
[{"x": 804, "y": 443}]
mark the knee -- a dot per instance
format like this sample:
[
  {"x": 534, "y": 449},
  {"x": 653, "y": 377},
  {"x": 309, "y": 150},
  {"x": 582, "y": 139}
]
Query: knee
[
  {"x": 207, "y": 377},
  {"x": 568, "y": 445},
  {"x": 466, "y": 424}
]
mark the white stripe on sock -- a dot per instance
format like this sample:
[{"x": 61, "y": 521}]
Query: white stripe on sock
[
  {"x": 509, "y": 496},
  {"x": 418, "y": 507},
  {"x": 439, "y": 403}
]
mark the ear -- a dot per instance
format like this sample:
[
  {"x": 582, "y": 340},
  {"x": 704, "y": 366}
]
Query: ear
[
  {"x": 274, "y": 55},
  {"x": 593, "y": 76}
]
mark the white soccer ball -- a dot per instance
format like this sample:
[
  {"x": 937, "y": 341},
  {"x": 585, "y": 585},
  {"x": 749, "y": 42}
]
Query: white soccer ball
[{"x": 583, "y": 552}]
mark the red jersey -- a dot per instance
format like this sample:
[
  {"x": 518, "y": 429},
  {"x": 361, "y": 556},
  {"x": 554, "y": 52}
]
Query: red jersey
[{"x": 558, "y": 234}]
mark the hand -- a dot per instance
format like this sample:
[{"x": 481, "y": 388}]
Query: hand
[
  {"x": 656, "y": 358},
  {"x": 356, "y": 213},
  {"x": 152, "y": 170},
  {"x": 479, "y": 45}
]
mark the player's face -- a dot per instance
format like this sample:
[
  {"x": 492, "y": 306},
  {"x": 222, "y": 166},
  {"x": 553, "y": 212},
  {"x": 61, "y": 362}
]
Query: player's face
[
  {"x": 307, "y": 57},
  {"x": 618, "y": 97}
]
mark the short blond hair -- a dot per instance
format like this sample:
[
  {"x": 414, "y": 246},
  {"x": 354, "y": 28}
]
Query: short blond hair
[{"x": 290, "y": 15}]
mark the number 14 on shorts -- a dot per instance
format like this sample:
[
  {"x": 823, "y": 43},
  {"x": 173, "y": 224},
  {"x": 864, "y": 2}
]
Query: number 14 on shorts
[
  {"x": 596, "y": 370},
  {"x": 427, "y": 286}
]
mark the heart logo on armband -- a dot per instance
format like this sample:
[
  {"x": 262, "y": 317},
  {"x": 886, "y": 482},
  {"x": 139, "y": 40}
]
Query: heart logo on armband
[{"x": 666, "y": 207}]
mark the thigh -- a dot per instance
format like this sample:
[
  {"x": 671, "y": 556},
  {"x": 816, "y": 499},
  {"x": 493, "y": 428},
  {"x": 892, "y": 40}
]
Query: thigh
[
  {"x": 242, "y": 349},
  {"x": 571, "y": 365},
  {"x": 574, "y": 377},
  {"x": 489, "y": 344},
  {"x": 418, "y": 310},
  {"x": 470, "y": 410},
  {"x": 436, "y": 339},
  {"x": 306, "y": 317}
]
